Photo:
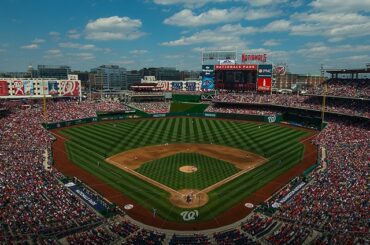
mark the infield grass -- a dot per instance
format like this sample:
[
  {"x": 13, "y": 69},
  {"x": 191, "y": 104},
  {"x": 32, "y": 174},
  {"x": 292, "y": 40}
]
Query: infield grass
[
  {"x": 166, "y": 171},
  {"x": 91, "y": 143}
]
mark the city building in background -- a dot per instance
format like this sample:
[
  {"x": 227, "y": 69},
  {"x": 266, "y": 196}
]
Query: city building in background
[
  {"x": 109, "y": 77},
  {"x": 297, "y": 81},
  {"x": 162, "y": 73},
  {"x": 50, "y": 71},
  {"x": 133, "y": 77}
]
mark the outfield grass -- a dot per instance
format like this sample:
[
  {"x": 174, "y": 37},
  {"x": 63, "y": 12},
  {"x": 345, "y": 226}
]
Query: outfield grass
[
  {"x": 91, "y": 143},
  {"x": 166, "y": 171}
]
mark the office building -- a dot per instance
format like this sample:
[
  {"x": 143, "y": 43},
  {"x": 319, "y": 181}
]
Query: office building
[
  {"x": 51, "y": 71},
  {"x": 109, "y": 77}
]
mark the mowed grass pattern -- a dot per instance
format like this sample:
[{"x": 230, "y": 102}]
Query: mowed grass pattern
[
  {"x": 166, "y": 171},
  {"x": 91, "y": 143}
]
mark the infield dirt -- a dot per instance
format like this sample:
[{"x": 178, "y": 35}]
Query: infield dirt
[{"x": 130, "y": 160}]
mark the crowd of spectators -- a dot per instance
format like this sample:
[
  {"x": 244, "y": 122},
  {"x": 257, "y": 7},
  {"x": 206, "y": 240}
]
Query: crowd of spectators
[
  {"x": 189, "y": 240},
  {"x": 28, "y": 191},
  {"x": 258, "y": 226},
  {"x": 152, "y": 107},
  {"x": 359, "y": 88},
  {"x": 123, "y": 228},
  {"x": 94, "y": 236},
  {"x": 144, "y": 237},
  {"x": 241, "y": 110},
  {"x": 66, "y": 110},
  {"x": 288, "y": 234},
  {"x": 336, "y": 200},
  {"x": 346, "y": 106},
  {"x": 234, "y": 236}
]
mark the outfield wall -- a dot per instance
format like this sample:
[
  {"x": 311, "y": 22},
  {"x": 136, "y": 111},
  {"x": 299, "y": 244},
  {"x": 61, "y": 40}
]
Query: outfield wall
[{"x": 122, "y": 116}]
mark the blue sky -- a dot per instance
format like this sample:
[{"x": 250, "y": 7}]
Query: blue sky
[{"x": 142, "y": 33}]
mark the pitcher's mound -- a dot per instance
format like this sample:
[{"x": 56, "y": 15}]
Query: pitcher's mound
[
  {"x": 188, "y": 169},
  {"x": 189, "y": 198}
]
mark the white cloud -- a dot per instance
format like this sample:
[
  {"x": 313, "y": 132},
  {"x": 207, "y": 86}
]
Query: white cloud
[
  {"x": 188, "y": 3},
  {"x": 38, "y": 40},
  {"x": 261, "y": 13},
  {"x": 321, "y": 50},
  {"x": 341, "y": 6},
  {"x": 139, "y": 51},
  {"x": 74, "y": 34},
  {"x": 224, "y": 36},
  {"x": 78, "y": 46},
  {"x": 54, "y": 34},
  {"x": 335, "y": 26},
  {"x": 53, "y": 51},
  {"x": 271, "y": 42},
  {"x": 30, "y": 46},
  {"x": 83, "y": 56},
  {"x": 174, "y": 56},
  {"x": 277, "y": 26},
  {"x": 260, "y": 2},
  {"x": 114, "y": 28},
  {"x": 124, "y": 62},
  {"x": 187, "y": 17},
  {"x": 331, "y": 18}
]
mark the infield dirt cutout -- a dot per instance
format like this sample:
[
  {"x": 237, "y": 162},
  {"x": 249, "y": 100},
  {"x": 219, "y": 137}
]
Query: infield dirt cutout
[{"x": 133, "y": 159}]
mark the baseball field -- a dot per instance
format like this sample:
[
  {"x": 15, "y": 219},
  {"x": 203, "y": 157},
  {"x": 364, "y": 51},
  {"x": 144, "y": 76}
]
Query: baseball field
[{"x": 172, "y": 165}]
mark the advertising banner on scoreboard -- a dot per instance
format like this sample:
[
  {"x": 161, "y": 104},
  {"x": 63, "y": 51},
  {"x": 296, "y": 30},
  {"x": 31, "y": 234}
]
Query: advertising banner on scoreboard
[
  {"x": 236, "y": 67},
  {"x": 53, "y": 87},
  {"x": 4, "y": 90},
  {"x": 28, "y": 87},
  {"x": 70, "y": 88},
  {"x": 208, "y": 84},
  {"x": 44, "y": 87},
  {"x": 265, "y": 70},
  {"x": 208, "y": 70},
  {"x": 18, "y": 88},
  {"x": 264, "y": 84},
  {"x": 227, "y": 62},
  {"x": 208, "y": 77}
]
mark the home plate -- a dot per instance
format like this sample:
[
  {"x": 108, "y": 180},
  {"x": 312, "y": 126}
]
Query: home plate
[
  {"x": 249, "y": 205},
  {"x": 128, "y": 206}
]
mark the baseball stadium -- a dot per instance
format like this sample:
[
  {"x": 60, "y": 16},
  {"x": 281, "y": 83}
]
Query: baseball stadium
[{"x": 226, "y": 159}]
